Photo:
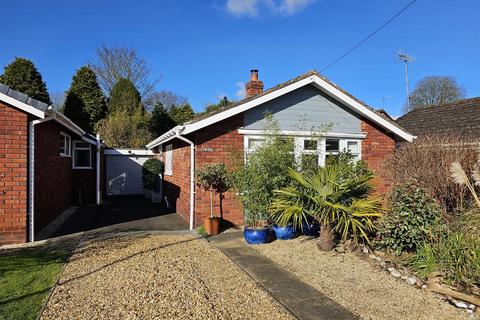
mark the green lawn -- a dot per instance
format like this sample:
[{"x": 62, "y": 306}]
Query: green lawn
[{"x": 26, "y": 277}]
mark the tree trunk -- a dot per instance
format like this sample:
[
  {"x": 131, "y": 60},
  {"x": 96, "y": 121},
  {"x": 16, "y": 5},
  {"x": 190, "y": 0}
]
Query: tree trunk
[{"x": 325, "y": 241}]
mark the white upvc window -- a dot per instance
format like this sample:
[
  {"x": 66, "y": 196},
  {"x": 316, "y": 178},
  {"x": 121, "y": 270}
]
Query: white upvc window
[
  {"x": 354, "y": 147},
  {"x": 311, "y": 149},
  {"x": 251, "y": 143},
  {"x": 65, "y": 145},
  {"x": 168, "y": 160},
  {"x": 82, "y": 155}
]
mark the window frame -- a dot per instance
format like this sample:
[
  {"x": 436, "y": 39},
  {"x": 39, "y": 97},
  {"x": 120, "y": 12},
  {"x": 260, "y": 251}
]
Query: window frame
[
  {"x": 66, "y": 137},
  {"x": 299, "y": 144},
  {"x": 83, "y": 149},
  {"x": 168, "y": 160}
]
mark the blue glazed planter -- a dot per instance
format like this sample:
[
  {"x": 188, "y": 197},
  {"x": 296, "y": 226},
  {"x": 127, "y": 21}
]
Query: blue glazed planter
[
  {"x": 310, "y": 229},
  {"x": 256, "y": 236},
  {"x": 284, "y": 233}
]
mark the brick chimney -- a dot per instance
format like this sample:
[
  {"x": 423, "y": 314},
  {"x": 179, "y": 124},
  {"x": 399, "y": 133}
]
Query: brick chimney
[{"x": 254, "y": 86}]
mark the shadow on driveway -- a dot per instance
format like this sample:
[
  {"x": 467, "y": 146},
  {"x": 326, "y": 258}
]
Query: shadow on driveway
[{"x": 128, "y": 213}]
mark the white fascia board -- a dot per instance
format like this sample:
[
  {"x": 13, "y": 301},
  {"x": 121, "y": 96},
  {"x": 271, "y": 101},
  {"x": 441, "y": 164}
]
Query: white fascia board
[
  {"x": 66, "y": 122},
  {"x": 86, "y": 139},
  {"x": 22, "y": 106},
  {"x": 129, "y": 152},
  {"x": 305, "y": 133},
  {"x": 245, "y": 106},
  {"x": 315, "y": 80},
  {"x": 356, "y": 106},
  {"x": 167, "y": 136}
]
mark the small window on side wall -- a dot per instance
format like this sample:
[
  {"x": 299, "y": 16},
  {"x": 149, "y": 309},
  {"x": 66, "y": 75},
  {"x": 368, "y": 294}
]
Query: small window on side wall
[
  {"x": 82, "y": 155},
  {"x": 168, "y": 160},
  {"x": 65, "y": 145}
]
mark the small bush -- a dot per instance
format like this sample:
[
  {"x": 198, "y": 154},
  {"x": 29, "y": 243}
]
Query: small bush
[
  {"x": 456, "y": 256},
  {"x": 201, "y": 231},
  {"x": 151, "y": 168},
  {"x": 414, "y": 217}
]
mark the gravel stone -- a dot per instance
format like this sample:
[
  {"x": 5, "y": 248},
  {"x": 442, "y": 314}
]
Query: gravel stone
[
  {"x": 395, "y": 273},
  {"x": 411, "y": 281},
  {"x": 157, "y": 277},
  {"x": 459, "y": 304},
  {"x": 356, "y": 284}
]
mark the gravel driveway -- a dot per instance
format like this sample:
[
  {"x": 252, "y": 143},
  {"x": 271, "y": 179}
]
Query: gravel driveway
[
  {"x": 357, "y": 285},
  {"x": 141, "y": 276}
]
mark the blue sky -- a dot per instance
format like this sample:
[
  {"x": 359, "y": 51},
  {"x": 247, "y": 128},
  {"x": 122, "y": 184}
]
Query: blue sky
[{"x": 205, "y": 49}]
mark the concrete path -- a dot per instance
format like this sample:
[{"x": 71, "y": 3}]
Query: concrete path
[
  {"x": 122, "y": 214},
  {"x": 302, "y": 300}
]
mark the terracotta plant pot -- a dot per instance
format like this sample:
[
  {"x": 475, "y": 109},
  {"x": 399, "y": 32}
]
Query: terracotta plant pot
[{"x": 212, "y": 225}]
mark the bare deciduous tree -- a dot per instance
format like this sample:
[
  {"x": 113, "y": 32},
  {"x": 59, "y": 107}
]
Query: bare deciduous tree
[
  {"x": 58, "y": 99},
  {"x": 167, "y": 99},
  {"x": 114, "y": 63},
  {"x": 435, "y": 90}
]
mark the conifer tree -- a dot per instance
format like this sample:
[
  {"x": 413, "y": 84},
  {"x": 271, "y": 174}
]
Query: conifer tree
[
  {"x": 181, "y": 114},
  {"x": 85, "y": 103},
  {"x": 160, "y": 122},
  {"x": 23, "y": 76},
  {"x": 124, "y": 97}
]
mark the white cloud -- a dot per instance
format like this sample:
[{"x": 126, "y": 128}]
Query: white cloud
[
  {"x": 290, "y": 7},
  {"x": 242, "y": 7},
  {"x": 253, "y": 8},
  {"x": 240, "y": 93}
]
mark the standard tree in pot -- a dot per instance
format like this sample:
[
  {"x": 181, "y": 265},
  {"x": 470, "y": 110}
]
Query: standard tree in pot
[{"x": 213, "y": 177}]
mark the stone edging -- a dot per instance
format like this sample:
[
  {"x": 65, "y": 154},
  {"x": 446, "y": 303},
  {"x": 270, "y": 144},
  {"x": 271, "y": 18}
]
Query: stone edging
[{"x": 410, "y": 279}]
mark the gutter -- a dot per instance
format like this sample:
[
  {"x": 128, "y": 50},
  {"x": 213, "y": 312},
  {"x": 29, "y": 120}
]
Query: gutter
[
  {"x": 192, "y": 176},
  {"x": 31, "y": 177},
  {"x": 97, "y": 182}
]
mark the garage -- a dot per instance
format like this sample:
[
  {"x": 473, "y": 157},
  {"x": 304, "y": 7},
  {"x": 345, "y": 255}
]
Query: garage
[{"x": 124, "y": 171}]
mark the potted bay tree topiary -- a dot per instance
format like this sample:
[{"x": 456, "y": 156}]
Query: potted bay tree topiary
[
  {"x": 213, "y": 177},
  {"x": 152, "y": 170}
]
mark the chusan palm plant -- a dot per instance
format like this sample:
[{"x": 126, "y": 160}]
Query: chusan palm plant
[
  {"x": 338, "y": 203},
  {"x": 470, "y": 220}
]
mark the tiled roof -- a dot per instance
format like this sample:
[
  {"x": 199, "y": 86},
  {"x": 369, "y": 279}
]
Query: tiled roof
[
  {"x": 460, "y": 117},
  {"x": 22, "y": 97}
]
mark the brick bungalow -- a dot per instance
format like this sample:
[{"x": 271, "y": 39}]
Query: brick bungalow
[
  {"x": 47, "y": 163},
  {"x": 305, "y": 102}
]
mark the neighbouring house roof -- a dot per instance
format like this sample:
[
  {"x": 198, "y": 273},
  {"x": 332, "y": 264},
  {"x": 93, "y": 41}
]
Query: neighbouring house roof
[
  {"x": 40, "y": 110},
  {"x": 309, "y": 78},
  {"x": 460, "y": 117}
]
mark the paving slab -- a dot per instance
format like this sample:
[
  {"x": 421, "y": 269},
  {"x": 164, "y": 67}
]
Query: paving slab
[{"x": 302, "y": 300}]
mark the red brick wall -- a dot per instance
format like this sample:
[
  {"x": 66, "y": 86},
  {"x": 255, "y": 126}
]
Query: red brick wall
[
  {"x": 215, "y": 144},
  {"x": 177, "y": 186},
  {"x": 13, "y": 175},
  {"x": 375, "y": 147},
  {"x": 56, "y": 182}
]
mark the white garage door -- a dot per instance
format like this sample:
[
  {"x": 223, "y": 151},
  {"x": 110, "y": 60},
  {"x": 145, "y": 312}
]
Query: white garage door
[{"x": 124, "y": 171}]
